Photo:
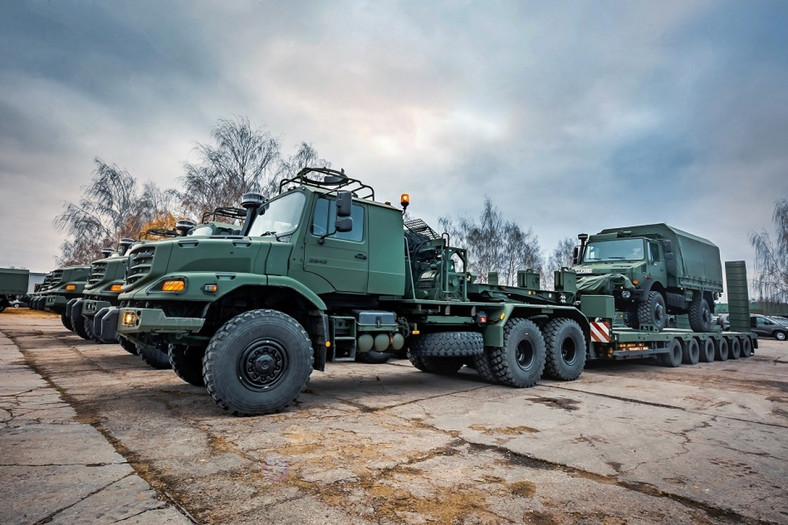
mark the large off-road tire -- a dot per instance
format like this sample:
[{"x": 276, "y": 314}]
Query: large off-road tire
[
  {"x": 373, "y": 357},
  {"x": 186, "y": 362},
  {"x": 87, "y": 326},
  {"x": 258, "y": 363},
  {"x": 66, "y": 322},
  {"x": 707, "y": 350},
  {"x": 734, "y": 348},
  {"x": 699, "y": 315},
  {"x": 78, "y": 322},
  {"x": 520, "y": 362},
  {"x": 652, "y": 311},
  {"x": 674, "y": 356},
  {"x": 447, "y": 344},
  {"x": 154, "y": 357},
  {"x": 128, "y": 346},
  {"x": 630, "y": 319},
  {"x": 436, "y": 365},
  {"x": 690, "y": 354},
  {"x": 721, "y": 349},
  {"x": 565, "y": 349}
]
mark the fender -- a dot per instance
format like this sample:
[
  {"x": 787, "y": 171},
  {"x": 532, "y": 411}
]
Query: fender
[{"x": 225, "y": 282}]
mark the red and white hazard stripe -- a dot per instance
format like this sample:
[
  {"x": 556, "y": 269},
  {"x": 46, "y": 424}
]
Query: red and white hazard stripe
[{"x": 600, "y": 332}]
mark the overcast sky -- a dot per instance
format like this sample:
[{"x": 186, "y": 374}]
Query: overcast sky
[{"x": 572, "y": 116}]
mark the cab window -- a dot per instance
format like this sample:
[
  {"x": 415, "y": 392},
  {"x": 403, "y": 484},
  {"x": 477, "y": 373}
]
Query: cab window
[
  {"x": 653, "y": 252},
  {"x": 325, "y": 215}
]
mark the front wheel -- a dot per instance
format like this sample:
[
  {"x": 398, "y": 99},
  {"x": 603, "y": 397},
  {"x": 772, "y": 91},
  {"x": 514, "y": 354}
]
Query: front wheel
[
  {"x": 66, "y": 320},
  {"x": 520, "y": 361},
  {"x": 257, "y": 363},
  {"x": 652, "y": 311},
  {"x": 154, "y": 357},
  {"x": 186, "y": 362}
]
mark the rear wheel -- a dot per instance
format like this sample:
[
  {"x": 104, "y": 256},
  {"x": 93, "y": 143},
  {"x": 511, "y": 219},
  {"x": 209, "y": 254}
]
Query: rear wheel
[
  {"x": 707, "y": 351},
  {"x": 565, "y": 349},
  {"x": 700, "y": 314},
  {"x": 674, "y": 355},
  {"x": 721, "y": 349},
  {"x": 483, "y": 365},
  {"x": 652, "y": 311},
  {"x": 186, "y": 362},
  {"x": 780, "y": 336},
  {"x": 521, "y": 360},
  {"x": 258, "y": 363}
]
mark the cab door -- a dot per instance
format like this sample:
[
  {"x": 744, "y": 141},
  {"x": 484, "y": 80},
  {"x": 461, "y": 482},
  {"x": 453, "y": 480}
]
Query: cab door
[
  {"x": 340, "y": 258},
  {"x": 656, "y": 262}
]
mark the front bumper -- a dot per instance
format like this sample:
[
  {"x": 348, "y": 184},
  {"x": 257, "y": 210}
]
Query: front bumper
[
  {"x": 154, "y": 320},
  {"x": 56, "y": 303},
  {"x": 91, "y": 306}
]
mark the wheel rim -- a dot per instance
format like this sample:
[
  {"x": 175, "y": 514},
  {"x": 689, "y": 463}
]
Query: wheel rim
[
  {"x": 780, "y": 336},
  {"x": 659, "y": 314},
  {"x": 262, "y": 365},
  {"x": 568, "y": 351},
  {"x": 525, "y": 354}
]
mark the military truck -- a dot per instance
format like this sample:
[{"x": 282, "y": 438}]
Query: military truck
[
  {"x": 13, "y": 283},
  {"x": 108, "y": 275},
  {"x": 62, "y": 285},
  {"x": 321, "y": 272},
  {"x": 653, "y": 271}
]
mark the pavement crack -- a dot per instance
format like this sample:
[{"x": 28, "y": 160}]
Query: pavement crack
[{"x": 52, "y": 516}]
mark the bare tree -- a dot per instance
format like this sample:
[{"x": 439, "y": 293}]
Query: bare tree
[
  {"x": 242, "y": 159},
  {"x": 771, "y": 258},
  {"x": 109, "y": 210},
  {"x": 560, "y": 257},
  {"x": 495, "y": 245}
]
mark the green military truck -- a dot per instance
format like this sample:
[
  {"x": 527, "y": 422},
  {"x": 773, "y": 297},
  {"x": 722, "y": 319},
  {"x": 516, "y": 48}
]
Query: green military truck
[
  {"x": 13, "y": 284},
  {"x": 320, "y": 273},
  {"x": 63, "y": 285},
  {"x": 653, "y": 271}
]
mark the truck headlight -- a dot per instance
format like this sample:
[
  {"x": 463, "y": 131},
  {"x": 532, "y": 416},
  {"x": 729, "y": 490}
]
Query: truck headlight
[
  {"x": 626, "y": 294},
  {"x": 129, "y": 319}
]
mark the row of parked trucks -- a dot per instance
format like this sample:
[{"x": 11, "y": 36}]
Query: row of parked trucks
[{"x": 324, "y": 272}]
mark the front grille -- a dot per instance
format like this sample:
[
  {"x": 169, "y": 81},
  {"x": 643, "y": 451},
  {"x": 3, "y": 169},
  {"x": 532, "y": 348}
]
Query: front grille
[
  {"x": 140, "y": 262},
  {"x": 57, "y": 276},
  {"x": 97, "y": 272}
]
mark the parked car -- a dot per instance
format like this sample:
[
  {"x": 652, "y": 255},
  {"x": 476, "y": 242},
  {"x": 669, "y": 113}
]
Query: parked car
[{"x": 769, "y": 326}]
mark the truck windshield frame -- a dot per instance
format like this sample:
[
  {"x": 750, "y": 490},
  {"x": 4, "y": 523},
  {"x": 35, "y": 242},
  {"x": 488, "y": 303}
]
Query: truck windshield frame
[
  {"x": 279, "y": 216},
  {"x": 615, "y": 250}
]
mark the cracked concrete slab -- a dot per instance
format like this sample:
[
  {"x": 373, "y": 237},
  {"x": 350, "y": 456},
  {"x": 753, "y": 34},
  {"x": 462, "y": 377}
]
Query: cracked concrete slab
[{"x": 627, "y": 443}]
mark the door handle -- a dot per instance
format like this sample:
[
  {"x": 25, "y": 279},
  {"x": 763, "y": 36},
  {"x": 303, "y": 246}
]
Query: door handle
[{"x": 361, "y": 256}]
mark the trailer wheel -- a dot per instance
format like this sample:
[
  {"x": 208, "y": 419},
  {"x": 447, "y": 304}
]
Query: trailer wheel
[
  {"x": 154, "y": 357},
  {"x": 746, "y": 347},
  {"x": 258, "y": 363},
  {"x": 721, "y": 350},
  {"x": 565, "y": 349},
  {"x": 674, "y": 355},
  {"x": 699, "y": 314},
  {"x": 66, "y": 322},
  {"x": 734, "y": 347},
  {"x": 520, "y": 362},
  {"x": 707, "y": 351},
  {"x": 652, "y": 311},
  {"x": 690, "y": 352},
  {"x": 186, "y": 362},
  {"x": 436, "y": 365},
  {"x": 128, "y": 346}
]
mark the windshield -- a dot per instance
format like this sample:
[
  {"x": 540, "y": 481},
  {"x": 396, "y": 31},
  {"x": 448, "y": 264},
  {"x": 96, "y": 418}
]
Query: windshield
[
  {"x": 279, "y": 216},
  {"x": 618, "y": 250}
]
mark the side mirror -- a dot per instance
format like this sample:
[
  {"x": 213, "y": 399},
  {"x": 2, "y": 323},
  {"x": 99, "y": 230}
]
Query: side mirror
[
  {"x": 670, "y": 257},
  {"x": 343, "y": 224},
  {"x": 344, "y": 201},
  {"x": 575, "y": 253}
]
